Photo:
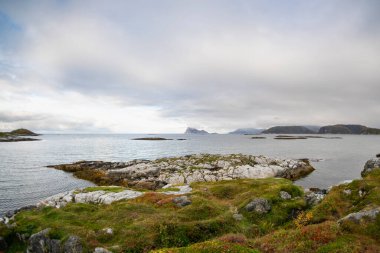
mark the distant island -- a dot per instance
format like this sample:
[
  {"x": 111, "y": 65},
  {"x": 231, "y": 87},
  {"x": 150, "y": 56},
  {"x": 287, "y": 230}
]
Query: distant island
[
  {"x": 191, "y": 130},
  {"x": 330, "y": 129},
  {"x": 348, "y": 129},
  {"x": 247, "y": 131},
  {"x": 288, "y": 130},
  {"x": 17, "y": 135}
]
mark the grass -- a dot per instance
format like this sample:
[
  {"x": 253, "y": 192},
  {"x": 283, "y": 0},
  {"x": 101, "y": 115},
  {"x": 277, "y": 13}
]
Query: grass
[
  {"x": 104, "y": 188},
  {"x": 169, "y": 189},
  {"x": 152, "y": 222}
]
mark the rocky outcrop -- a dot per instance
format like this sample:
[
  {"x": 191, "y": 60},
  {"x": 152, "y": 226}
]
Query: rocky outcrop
[
  {"x": 188, "y": 169},
  {"x": 364, "y": 215},
  {"x": 259, "y": 205},
  {"x": 370, "y": 165},
  {"x": 41, "y": 243},
  {"x": 101, "y": 196}
]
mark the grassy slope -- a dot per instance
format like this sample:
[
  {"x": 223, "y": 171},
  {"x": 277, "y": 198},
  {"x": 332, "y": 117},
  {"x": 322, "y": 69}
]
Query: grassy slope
[{"x": 152, "y": 222}]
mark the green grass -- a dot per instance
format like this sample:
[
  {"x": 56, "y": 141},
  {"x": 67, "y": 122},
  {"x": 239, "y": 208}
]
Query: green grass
[
  {"x": 169, "y": 189},
  {"x": 104, "y": 188},
  {"x": 153, "y": 222}
]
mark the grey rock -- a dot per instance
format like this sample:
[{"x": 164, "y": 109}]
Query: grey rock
[
  {"x": 313, "y": 198},
  {"x": 3, "y": 244},
  {"x": 259, "y": 205},
  {"x": 108, "y": 231},
  {"x": 73, "y": 245},
  {"x": 55, "y": 246},
  {"x": 182, "y": 201},
  {"x": 285, "y": 195},
  {"x": 41, "y": 243},
  {"x": 358, "y": 217},
  {"x": 347, "y": 191},
  {"x": 370, "y": 165},
  {"x": 237, "y": 216},
  {"x": 101, "y": 250}
]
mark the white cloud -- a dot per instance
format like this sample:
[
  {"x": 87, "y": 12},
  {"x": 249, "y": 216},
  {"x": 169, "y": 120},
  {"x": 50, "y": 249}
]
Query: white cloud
[{"x": 144, "y": 67}]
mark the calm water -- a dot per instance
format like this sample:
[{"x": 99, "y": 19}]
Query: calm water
[{"x": 24, "y": 179}]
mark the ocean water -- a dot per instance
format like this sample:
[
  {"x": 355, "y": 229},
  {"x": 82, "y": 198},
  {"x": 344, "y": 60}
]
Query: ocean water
[{"x": 24, "y": 178}]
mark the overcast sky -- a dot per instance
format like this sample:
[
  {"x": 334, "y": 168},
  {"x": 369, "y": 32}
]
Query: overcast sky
[{"x": 160, "y": 66}]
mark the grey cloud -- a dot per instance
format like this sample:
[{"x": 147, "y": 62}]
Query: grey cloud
[{"x": 219, "y": 64}]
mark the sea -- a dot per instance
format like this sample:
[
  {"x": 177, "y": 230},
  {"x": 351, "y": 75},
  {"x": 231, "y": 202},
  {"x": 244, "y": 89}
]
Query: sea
[{"x": 25, "y": 179}]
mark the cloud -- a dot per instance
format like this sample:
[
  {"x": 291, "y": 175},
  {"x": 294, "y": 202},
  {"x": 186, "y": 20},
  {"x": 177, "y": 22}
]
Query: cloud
[{"x": 216, "y": 64}]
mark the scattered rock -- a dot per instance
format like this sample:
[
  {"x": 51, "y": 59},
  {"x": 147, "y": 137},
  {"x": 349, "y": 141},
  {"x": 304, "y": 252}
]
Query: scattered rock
[
  {"x": 358, "y": 217},
  {"x": 313, "y": 198},
  {"x": 237, "y": 216},
  {"x": 101, "y": 250},
  {"x": 108, "y": 231},
  {"x": 285, "y": 195},
  {"x": 3, "y": 244},
  {"x": 370, "y": 165},
  {"x": 182, "y": 201},
  {"x": 259, "y": 205},
  {"x": 347, "y": 191},
  {"x": 73, "y": 245}
]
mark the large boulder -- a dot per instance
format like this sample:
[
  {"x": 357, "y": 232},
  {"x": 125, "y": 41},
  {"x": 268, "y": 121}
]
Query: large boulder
[
  {"x": 41, "y": 243},
  {"x": 259, "y": 205},
  {"x": 370, "y": 165},
  {"x": 358, "y": 217}
]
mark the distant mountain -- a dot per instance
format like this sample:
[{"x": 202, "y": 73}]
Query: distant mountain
[
  {"x": 247, "y": 131},
  {"x": 348, "y": 129},
  {"x": 191, "y": 130},
  {"x": 313, "y": 128},
  {"x": 288, "y": 130}
]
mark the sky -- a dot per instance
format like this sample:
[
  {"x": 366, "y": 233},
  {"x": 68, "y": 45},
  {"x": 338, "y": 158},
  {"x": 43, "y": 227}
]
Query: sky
[{"x": 160, "y": 66}]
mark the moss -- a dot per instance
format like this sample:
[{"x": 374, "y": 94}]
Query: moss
[
  {"x": 104, "y": 188},
  {"x": 216, "y": 246},
  {"x": 169, "y": 189}
]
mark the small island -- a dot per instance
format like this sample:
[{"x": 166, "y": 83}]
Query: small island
[
  {"x": 18, "y": 135},
  {"x": 151, "y": 139}
]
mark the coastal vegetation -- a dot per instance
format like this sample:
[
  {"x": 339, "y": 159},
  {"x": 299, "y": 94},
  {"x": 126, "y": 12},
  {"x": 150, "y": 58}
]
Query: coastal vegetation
[{"x": 242, "y": 215}]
